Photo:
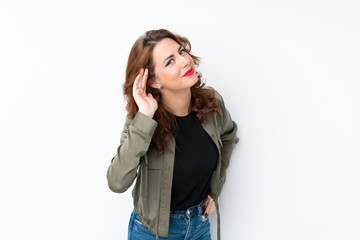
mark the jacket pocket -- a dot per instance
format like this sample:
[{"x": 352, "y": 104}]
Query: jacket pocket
[
  {"x": 154, "y": 172},
  {"x": 154, "y": 183}
]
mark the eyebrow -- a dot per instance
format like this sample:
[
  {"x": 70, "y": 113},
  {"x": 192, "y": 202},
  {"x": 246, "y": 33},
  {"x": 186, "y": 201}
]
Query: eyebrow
[{"x": 172, "y": 55}]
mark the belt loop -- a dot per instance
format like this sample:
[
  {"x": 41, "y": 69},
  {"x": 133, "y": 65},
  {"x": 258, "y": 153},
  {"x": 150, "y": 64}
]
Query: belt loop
[{"x": 199, "y": 207}]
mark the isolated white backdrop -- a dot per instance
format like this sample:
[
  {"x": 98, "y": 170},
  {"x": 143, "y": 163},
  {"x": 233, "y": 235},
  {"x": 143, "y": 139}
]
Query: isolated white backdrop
[{"x": 289, "y": 74}]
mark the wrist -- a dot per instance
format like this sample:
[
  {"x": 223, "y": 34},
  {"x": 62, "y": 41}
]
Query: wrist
[{"x": 150, "y": 114}]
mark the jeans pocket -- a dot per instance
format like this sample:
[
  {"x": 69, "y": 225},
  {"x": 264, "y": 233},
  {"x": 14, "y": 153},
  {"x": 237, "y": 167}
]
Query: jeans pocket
[
  {"x": 139, "y": 225},
  {"x": 138, "y": 222}
]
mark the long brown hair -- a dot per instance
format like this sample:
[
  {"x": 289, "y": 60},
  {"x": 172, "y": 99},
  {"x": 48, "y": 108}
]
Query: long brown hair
[{"x": 202, "y": 100}]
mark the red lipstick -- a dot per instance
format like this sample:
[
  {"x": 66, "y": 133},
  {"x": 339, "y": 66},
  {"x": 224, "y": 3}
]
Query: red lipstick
[{"x": 189, "y": 72}]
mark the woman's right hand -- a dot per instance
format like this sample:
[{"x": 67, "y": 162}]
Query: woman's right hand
[{"x": 145, "y": 102}]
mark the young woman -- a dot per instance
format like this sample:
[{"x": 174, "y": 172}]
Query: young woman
[{"x": 177, "y": 141}]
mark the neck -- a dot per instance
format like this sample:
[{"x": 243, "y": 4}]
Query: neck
[{"x": 177, "y": 103}]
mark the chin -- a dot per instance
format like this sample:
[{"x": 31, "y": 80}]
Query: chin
[{"x": 194, "y": 80}]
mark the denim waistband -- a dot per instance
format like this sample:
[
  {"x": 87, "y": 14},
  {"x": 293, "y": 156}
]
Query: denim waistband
[{"x": 191, "y": 211}]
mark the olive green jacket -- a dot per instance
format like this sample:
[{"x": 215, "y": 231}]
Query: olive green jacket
[{"x": 152, "y": 191}]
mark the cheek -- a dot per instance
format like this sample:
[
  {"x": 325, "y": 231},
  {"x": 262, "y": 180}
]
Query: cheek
[
  {"x": 171, "y": 75},
  {"x": 190, "y": 59}
]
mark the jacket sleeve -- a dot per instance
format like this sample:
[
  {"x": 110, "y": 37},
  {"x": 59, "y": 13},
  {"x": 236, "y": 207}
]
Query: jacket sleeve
[
  {"x": 134, "y": 143},
  {"x": 228, "y": 138}
]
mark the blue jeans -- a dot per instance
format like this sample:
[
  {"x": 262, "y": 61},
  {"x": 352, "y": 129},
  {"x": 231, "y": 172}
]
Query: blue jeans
[{"x": 189, "y": 224}]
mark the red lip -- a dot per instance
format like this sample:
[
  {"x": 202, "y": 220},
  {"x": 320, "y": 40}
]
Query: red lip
[{"x": 189, "y": 72}]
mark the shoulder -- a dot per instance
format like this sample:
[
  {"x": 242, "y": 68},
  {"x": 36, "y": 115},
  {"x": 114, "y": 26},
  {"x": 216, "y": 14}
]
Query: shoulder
[
  {"x": 217, "y": 95},
  {"x": 217, "y": 117}
]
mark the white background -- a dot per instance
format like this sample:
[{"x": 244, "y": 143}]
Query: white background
[{"x": 288, "y": 72}]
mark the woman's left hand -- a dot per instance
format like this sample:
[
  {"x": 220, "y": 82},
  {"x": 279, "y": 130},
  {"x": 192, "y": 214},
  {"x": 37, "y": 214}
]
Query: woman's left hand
[{"x": 209, "y": 206}]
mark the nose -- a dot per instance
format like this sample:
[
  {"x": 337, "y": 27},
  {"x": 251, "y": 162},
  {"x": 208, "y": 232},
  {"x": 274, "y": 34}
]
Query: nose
[{"x": 186, "y": 61}]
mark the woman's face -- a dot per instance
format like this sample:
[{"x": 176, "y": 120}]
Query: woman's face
[{"x": 174, "y": 67}]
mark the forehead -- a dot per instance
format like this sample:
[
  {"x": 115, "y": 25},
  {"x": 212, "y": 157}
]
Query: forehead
[{"x": 164, "y": 48}]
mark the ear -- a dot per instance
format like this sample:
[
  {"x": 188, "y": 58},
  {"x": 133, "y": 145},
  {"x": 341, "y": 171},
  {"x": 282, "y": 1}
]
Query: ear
[{"x": 155, "y": 84}]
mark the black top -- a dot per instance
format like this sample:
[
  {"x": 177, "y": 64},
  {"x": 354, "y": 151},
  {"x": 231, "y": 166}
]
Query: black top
[{"x": 196, "y": 156}]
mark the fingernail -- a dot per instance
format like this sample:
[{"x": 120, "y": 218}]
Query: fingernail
[{"x": 206, "y": 215}]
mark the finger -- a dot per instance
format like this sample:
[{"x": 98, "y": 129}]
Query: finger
[
  {"x": 137, "y": 81},
  {"x": 210, "y": 208},
  {"x": 141, "y": 74},
  {"x": 150, "y": 96},
  {"x": 136, "y": 85},
  {"x": 209, "y": 211},
  {"x": 205, "y": 203},
  {"x": 208, "y": 200},
  {"x": 144, "y": 79}
]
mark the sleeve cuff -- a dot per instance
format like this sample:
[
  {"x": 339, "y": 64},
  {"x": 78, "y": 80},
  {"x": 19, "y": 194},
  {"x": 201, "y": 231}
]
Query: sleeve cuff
[{"x": 144, "y": 123}]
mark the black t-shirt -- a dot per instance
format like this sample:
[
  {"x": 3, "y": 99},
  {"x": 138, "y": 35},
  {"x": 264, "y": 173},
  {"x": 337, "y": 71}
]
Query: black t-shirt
[{"x": 196, "y": 156}]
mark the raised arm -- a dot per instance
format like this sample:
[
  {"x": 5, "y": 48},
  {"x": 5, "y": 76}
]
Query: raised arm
[{"x": 135, "y": 138}]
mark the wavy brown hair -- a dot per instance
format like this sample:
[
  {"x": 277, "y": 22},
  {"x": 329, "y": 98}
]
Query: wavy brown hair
[{"x": 202, "y": 100}]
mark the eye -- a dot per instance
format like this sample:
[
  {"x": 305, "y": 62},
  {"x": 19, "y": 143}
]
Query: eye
[
  {"x": 182, "y": 51},
  {"x": 169, "y": 62}
]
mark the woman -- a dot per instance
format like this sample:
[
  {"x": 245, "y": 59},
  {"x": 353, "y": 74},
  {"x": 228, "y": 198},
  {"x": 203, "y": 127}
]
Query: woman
[{"x": 177, "y": 141}]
